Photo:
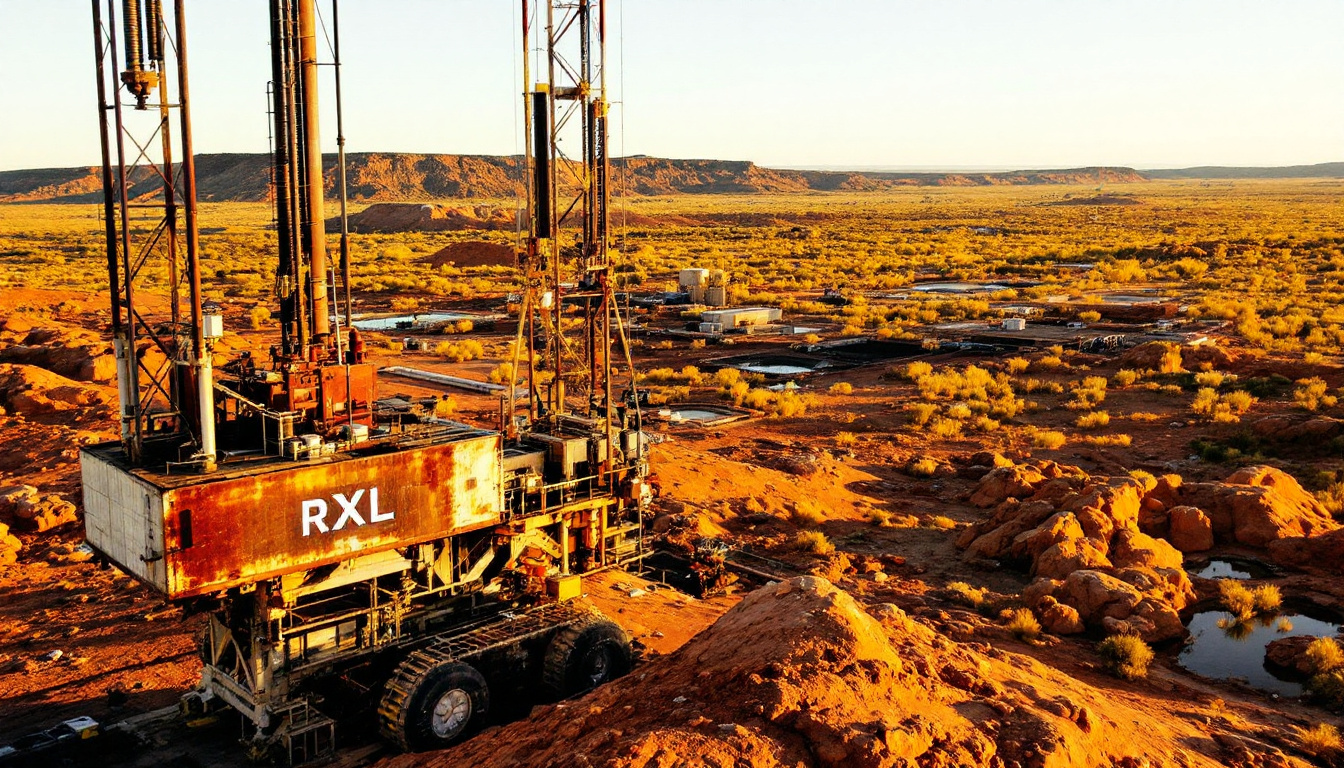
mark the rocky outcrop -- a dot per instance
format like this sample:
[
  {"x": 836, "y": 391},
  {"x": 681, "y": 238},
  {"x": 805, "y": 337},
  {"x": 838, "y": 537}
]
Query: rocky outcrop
[
  {"x": 1189, "y": 529},
  {"x": 1258, "y": 505},
  {"x": 1058, "y": 618},
  {"x": 1299, "y": 429},
  {"x": 1068, "y": 556},
  {"x": 35, "y": 392},
  {"x": 74, "y": 354},
  {"x": 408, "y": 176},
  {"x": 25, "y": 507},
  {"x": 1015, "y": 482},
  {"x": 1290, "y": 654},
  {"x": 1132, "y": 548},
  {"x": 9, "y": 546},
  {"x": 429, "y": 217},
  {"x": 1081, "y": 538},
  {"x": 1324, "y": 552},
  {"x": 1140, "y": 601}
]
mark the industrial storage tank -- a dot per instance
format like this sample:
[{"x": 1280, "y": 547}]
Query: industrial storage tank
[
  {"x": 692, "y": 282},
  {"x": 693, "y": 277}
]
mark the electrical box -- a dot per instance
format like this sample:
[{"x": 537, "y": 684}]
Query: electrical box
[
  {"x": 212, "y": 326},
  {"x": 564, "y": 588}
]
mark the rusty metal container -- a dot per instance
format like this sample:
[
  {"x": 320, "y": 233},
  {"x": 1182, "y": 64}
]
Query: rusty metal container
[{"x": 189, "y": 534}]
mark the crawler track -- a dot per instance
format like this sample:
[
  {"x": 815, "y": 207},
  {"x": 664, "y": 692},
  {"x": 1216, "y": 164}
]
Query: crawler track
[{"x": 509, "y": 629}]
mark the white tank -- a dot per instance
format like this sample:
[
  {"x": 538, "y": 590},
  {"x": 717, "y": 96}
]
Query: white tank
[{"x": 693, "y": 277}]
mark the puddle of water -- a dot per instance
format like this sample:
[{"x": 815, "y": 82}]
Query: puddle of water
[
  {"x": 774, "y": 370},
  {"x": 1237, "y": 649},
  {"x": 1234, "y": 569},
  {"x": 956, "y": 287},
  {"x": 696, "y": 414},
  {"x": 407, "y": 321}
]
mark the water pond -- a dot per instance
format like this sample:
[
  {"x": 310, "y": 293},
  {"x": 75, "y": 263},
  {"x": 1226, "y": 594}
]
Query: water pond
[
  {"x": 957, "y": 287},
  {"x": 1222, "y": 648},
  {"x": 696, "y": 414},
  {"x": 774, "y": 370},
  {"x": 1233, "y": 568},
  {"x": 407, "y": 321}
]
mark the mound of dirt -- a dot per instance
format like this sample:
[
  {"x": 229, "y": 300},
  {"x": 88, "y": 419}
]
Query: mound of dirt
[
  {"x": 427, "y": 217},
  {"x": 474, "y": 253},
  {"x": 800, "y": 674}
]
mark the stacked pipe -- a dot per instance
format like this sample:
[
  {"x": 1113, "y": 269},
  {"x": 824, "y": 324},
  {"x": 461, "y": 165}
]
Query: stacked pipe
[
  {"x": 139, "y": 81},
  {"x": 301, "y": 280}
]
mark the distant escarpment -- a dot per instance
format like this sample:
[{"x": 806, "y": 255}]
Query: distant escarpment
[{"x": 399, "y": 176}]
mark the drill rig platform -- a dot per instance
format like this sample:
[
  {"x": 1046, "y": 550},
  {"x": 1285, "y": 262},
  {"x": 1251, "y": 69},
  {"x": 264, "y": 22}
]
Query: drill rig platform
[{"x": 344, "y": 555}]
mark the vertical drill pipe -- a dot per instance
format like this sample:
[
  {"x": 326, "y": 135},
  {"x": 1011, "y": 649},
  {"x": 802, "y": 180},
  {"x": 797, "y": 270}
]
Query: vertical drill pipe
[
  {"x": 549, "y": 190},
  {"x": 109, "y": 209},
  {"x": 527, "y": 123},
  {"x": 205, "y": 388},
  {"x": 299, "y": 170},
  {"x": 603, "y": 156},
  {"x": 284, "y": 227},
  {"x": 544, "y": 221},
  {"x": 586, "y": 118},
  {"x": 340, "y": 148},
  {"x": 534, "y": 395},
  {"x": 126, "y": 398},
  {"x": 188, "y": 177},
  {"x": 170, "y": 223},
  {"x": 603, "y": 225},
  {"x": 132, "y": 439},
  {"x": 527, "y": 256},
  {"x": 132, "y": 28},
  {"x": 294, "y": 119},
  {"x": 589, "y": 258},
  {"x": 154, "y": 31},
  {"x": 587, "y": 253},
  {"x": 317, "y": 236}
]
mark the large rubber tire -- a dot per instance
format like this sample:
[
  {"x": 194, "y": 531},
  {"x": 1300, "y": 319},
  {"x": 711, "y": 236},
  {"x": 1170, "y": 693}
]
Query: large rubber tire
[
  {"x": 446, "y": 704},
  {"x": 584, "y": 655}
]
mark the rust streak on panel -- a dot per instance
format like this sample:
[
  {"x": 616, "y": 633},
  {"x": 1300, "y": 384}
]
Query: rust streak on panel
[{"x": 251, "y": 527}]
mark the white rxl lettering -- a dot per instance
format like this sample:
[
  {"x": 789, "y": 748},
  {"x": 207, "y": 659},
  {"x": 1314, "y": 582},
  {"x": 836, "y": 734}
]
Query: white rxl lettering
[
  {"x": 374, "y": 515},
  {"x": 315, "y": 512},
  {"x": 348, "y": 511},
  {"x": 315, "y": 506}
]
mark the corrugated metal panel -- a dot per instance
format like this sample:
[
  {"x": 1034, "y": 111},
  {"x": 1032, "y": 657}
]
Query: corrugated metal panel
[{"x": 123, "y": 519}]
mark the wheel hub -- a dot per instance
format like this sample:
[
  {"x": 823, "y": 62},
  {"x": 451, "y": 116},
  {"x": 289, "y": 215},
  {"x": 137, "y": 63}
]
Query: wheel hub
[
  {"x": 451, "y": 713},
  {"x": 597, "y": 667}
]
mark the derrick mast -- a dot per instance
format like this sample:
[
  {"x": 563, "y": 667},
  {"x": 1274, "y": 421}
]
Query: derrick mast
[
  {"x": 161, "y": 334},
  {"x": 566, "y": 260}
]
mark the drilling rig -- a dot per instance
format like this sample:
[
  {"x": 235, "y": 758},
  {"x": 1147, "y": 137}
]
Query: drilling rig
[{"x": 341, "y": 555}]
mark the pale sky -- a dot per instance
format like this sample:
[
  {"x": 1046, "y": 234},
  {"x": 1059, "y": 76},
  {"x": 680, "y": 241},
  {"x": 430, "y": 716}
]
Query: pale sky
[{"x": 904, "y": 83}]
